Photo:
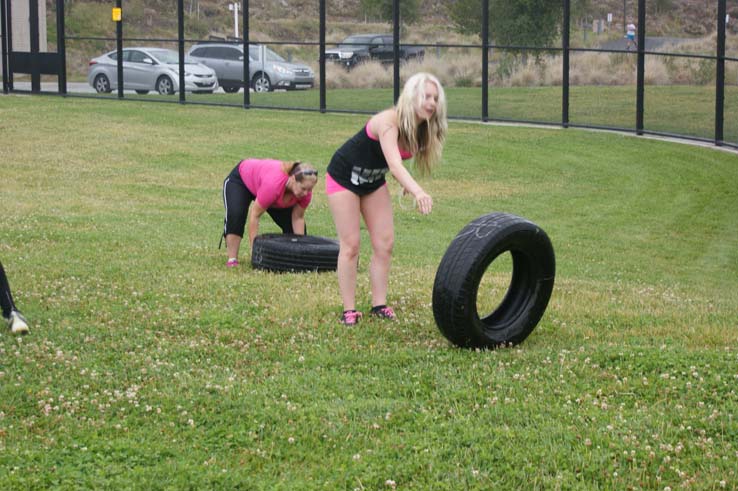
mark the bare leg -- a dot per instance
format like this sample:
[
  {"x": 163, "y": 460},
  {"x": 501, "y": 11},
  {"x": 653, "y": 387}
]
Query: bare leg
[
  {"x": 345, "y": 207},
  {"x": 377, "y": 211},
  {"x": 233, "y": 243}
]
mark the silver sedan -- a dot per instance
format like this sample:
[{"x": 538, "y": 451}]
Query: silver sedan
[{"x": 146, "y": 69}]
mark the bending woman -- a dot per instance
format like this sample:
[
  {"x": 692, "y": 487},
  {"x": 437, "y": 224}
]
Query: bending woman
[
  {"x": 356, "y": 186},
  {"x": 255, "y": 186}
]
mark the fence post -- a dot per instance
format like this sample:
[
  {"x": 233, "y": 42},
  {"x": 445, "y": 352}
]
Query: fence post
[
  {"x": 34, "y": 48},
  {"x": 61, "y": 48},
  {"x": 246, "y": 56},
  {"x": 720, "y": 74},
  {"x": 485, "y": 60},
  {"x": 321, "y": 55},
  {"x": 4, "y": 45},
  {"x": 640, "y": 74},
  {"x": 396, "y": 49},
  {"x": 9, "y": 39},
  {"x": 180, "y": 45},
  {"x": 565, "y": 67},
  {"x": 119, "y": 49}
]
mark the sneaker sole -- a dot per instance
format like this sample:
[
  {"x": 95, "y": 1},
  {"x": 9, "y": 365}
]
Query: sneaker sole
[{"x": 22, "y": 330}]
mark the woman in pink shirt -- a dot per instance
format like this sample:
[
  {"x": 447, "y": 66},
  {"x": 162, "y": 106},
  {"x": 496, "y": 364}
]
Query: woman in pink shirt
[{"x": 255, "y": 186}]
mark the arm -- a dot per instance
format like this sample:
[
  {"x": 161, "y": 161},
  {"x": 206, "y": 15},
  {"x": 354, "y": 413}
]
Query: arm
[
  {"x": 255, "y": 213},
  {"x": 388, "y": 134},
  {"x": 298, "y": 220}
]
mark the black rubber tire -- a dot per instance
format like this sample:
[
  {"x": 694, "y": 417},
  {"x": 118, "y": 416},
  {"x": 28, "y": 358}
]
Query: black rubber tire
[
  {"x": 164, "y": 85},
  {"x": 261, "y": 83},
  {"x": 102, "y": 84},
  {"x": 298, "y": 253},
  {"x": 461, "y": 270}
]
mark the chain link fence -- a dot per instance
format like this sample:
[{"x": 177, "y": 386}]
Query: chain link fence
[{"x": 664, "y": 67}]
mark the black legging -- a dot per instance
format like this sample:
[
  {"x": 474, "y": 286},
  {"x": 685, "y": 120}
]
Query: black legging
[
  {"x": 237, "y": 198},
  {"x": 6, "y": 298}
]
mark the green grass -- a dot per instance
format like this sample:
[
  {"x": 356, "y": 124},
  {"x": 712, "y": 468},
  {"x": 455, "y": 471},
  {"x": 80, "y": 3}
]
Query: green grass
[
  {"x": 681, "y": 110},
  {"x": 151, "y": 366}
]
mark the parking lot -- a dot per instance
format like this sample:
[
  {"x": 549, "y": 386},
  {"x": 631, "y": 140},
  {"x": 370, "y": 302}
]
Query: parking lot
[{"x": 75, "y": 87}]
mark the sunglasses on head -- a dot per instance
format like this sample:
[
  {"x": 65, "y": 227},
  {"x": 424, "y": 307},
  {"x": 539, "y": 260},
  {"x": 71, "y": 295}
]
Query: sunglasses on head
[{"x": 302, "y": 173}]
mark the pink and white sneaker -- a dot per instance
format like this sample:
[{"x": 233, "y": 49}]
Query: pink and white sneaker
[
  {"x": 232, "y": 263},
  {"x": 351, "y": 317},
  {"x": 383, "y": 312}
]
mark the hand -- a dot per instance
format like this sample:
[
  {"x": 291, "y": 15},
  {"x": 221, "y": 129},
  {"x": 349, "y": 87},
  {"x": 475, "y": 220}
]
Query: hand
[{"x": 424, "y": 201}]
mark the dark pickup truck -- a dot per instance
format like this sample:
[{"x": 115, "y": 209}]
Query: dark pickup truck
[{"x": 360, "y": 48}]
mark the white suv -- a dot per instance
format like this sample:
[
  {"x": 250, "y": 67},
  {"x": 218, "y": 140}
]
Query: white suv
[{"x": 267, "y": 70}]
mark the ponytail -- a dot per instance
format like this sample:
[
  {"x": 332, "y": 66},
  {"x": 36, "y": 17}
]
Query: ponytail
[{"x": 294, "y": 168}]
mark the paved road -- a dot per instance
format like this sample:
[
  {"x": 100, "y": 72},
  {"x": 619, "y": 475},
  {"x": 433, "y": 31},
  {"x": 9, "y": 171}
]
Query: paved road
[
  {"x": 72, "y": 87},
  {"x": 78, "y": 87},
  {"x": 652, "y": 43}
]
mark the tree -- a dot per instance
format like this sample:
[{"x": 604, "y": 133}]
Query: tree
[
  {"x": 511, "y": 22},
  {"x": 382, "y": 10},
  {"x": 580, "y": 9},
  {"x": 657, "y": 7}
]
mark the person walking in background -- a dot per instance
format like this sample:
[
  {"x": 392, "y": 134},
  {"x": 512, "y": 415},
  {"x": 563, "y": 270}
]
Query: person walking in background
[
  {"x": 356, "y": 185},
  {"x": 255, "y": 186},
  {"x": 630, "y": 35},
  {"x": 16, "y": 322}
]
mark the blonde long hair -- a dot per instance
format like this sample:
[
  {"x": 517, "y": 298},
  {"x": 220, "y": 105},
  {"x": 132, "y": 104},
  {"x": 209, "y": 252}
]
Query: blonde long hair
[{"x": 424, "y": 140}]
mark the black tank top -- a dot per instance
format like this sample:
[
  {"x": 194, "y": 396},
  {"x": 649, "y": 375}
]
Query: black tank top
[{"x": 359, "y": 165}]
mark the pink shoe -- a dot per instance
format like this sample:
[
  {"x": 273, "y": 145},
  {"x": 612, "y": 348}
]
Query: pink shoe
[
  {"x": 350, "y": 317},
  {"x": 383, "y": 312},
  {"x": 232, "y": 263}
]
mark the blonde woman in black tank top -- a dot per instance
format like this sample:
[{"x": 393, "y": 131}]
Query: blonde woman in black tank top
[{"x": 356, "y": 186}]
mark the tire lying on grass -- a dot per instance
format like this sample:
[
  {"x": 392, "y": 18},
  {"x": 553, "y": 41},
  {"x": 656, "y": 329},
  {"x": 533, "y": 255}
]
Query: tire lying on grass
[
  {"x": 289, "y": 252},
  {"x": 461, "y": 270}
]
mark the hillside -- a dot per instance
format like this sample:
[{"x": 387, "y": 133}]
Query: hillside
[
  {"x": 678, "y": 18},
  {"x": 681, "y": 18},
  {"x": 297, "y": 19}
]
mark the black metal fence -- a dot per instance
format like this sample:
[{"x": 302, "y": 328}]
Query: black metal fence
[{"x": 654, "y": 89}]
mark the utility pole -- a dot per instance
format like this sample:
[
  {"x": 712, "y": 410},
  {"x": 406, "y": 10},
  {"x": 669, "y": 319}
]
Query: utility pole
[
  {"x": 625, "y": 20},
  {"x": 233, "y": 7}
]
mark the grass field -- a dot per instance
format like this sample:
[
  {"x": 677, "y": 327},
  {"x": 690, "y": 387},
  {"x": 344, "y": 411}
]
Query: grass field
[
  {"x": 151, "y": 366},
  {"x": 687, "y": 110}
]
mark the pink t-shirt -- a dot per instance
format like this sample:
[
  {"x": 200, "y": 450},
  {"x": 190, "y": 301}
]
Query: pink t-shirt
[{"x": 267, "y": 181}]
